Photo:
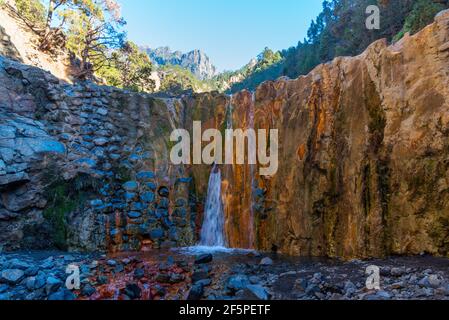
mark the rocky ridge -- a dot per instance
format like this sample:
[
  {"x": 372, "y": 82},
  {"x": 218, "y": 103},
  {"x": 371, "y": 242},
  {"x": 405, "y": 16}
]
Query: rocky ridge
[{"x": 196, "y": 61}]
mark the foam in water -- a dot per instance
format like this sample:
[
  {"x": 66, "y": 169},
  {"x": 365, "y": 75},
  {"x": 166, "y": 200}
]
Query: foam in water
[{"x": 212, "y": 232}]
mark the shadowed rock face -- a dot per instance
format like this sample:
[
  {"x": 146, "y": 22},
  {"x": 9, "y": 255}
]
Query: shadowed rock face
[{"x": 363, "y": 159}]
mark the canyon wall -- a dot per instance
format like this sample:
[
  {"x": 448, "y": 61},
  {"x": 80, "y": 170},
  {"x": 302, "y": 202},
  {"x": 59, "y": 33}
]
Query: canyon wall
[
  {"x": 363, "y": 159},
  {"x": 363, "y": 152}
]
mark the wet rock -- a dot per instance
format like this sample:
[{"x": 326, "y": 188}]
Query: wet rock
[
  {"x": 147, "y": 197},
  {"x": 62, "y": 295},
  {"x": 111, "y": 263},
  {"x": 12, "y": 276},
  {"x": 434, "y": 281},
  {"x": 3, "y": 287},
  {"x": 176, "y": 278},
  {"x": 139, "y": 273},
  {"x": 266, "y": 262},
  {"x": 130, "y": 186},
  {"x": 156, "y": 234},
  {"x": 237, "y": 282},
  {"x": 204, "y": 258},
  {"x": 52, "y": 285},
  {"x": 48, "y": 263},
  {"x": 87, "y": 290},
  {"x": 30, "y": 283},
  {"x": 312, "y": 289},
  {"x": 254, "y": 279},
  {"x": 204, "y": 282},
  {"x": 350, "y": 288},
  {"x": 397, "y": 272},
  {"x": 199, "y": 275},
  {"x": 102, "y": 280},
  {"x": 19, "y": 264},
  {"x": 164, "y": 192},
  {"x": 133, "y": 291},
  {"x": 383, "y": 295},
  {"x": 258, "y": 291},
  {"x": 162, "y": 278},
  {"x": 196, "y": 292},
  {"x": 159, "y": 290},
  {"x": 145, "y": 175},
  {"x": 134, "y": 215}
]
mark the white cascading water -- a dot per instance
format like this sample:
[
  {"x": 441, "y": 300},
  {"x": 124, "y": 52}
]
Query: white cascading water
[{"x": 212, "y": 232}]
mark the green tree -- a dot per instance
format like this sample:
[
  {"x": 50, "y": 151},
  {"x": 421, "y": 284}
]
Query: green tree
[
  {"x": 32, "y": 12},
  {"x": 94, "y": 28},
  {"x": 422, "y": 14},
  {"x": 132, "y": 69}
]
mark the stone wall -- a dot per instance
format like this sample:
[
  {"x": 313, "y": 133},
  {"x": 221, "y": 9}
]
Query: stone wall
[{"x": 86, "y": 167}]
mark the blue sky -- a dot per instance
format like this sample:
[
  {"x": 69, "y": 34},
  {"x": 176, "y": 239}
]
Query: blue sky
[{"x": 230, "y": 32}]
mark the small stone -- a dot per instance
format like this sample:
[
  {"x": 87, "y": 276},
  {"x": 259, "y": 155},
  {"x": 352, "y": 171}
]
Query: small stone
[
  {"x": 102, "y": 111},
  {"x": 96, "y": 203},
  {"x": 164, "y": 192},
  {"x": 131, "y": 186},
  {"x": 176, "y": 278},
  {"x": 196, "y": 292},
  {"x": 383, "y": 295},
  {"x": 145, "y": 175},
  {"x": 134, "y": 215},
  {"x": 100, "y": 141},
  {"x": 30, "y": 283},
  {"x": 111, "y": 263},
  {"x": 159, "y": 290},
  {"x": 237, "y": 282},
  {"x": 350, "y": 288},
  {"x": 156, "y": 234},
  {"x": 266, "y": 262},
  {"x": 434, "y": 281},
  {"x": 163, "y": 278},
  {"x": 52, "y": 285},
  {"x": 133, "y": 291},
  {"x": 147, "y": 197},
  {"x": 258, "y": 291},
  {"x": 102, "y": 280},
  {"x": 312, "y": 289},
  {"x": 88, "y": 290},
  {"x": 198, "y": 276},
  {"x": 204, "y": 282},
  {"x": 204, "y": 258},
  {"x": 12, "y": 276},
  {"x": 139, "y": 273},
  {"x": 397, "y": 272}
]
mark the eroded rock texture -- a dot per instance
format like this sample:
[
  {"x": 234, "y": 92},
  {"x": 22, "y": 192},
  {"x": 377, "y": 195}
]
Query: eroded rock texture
[{"x": 363, "y": 155}]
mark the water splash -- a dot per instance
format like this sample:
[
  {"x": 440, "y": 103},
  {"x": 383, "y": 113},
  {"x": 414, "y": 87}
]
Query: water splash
[{"x": 212, "y": 232}]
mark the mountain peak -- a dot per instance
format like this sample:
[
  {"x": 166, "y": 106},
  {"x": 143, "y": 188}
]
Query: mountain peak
[{"x": 196, "y": 61}]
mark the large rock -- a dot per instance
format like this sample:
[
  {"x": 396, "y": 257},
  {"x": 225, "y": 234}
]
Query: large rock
[{"x": 12, "y": 276}]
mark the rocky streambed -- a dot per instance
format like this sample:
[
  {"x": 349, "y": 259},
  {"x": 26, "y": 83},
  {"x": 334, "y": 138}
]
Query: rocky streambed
[{"x": 179, "y": 275}]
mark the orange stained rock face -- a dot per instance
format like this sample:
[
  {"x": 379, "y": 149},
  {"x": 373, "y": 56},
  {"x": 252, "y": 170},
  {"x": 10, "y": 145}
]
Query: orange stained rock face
[{"x": 360, "y": 127}]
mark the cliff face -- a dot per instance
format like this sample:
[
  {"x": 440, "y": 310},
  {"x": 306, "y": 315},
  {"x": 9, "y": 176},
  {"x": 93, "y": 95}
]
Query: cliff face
[
  {"x": 363, "y": 155},
  {"x": 196, "y": 61},
  {"x": 363, "y": 159}
]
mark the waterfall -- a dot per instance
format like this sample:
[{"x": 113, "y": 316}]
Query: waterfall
[
  {"x": 212, "y": 232},
  {"x": 252, "y": 169}
]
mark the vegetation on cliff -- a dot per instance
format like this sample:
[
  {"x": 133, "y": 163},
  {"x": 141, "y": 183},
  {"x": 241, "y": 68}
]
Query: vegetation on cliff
[
  {"x": 339, "y": 30},
  {"x": 93, "y": 31}
]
